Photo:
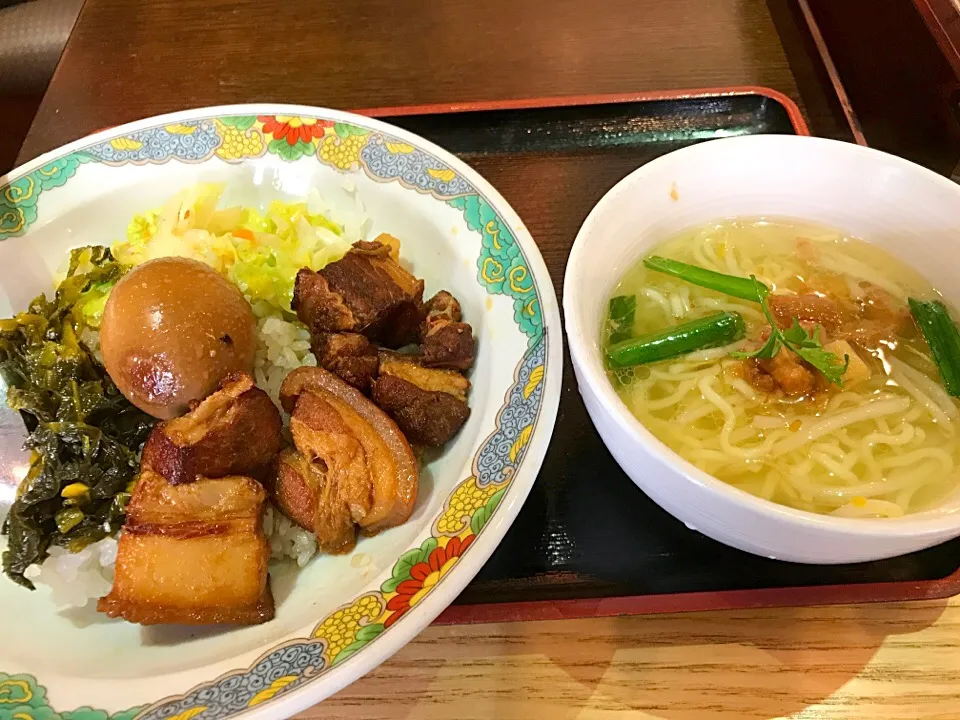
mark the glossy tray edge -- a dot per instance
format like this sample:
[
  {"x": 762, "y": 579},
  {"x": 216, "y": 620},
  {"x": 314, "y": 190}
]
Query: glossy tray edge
[
  {"x": 793, "y": 111},
  {"x": 679, "y": 602}
]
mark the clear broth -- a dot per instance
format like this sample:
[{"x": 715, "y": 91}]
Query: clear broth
[{"x": 882, "y": 448}]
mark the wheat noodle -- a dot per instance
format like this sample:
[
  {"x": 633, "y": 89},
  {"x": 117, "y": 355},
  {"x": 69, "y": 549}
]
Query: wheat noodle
[{"x": 882, "y": 448}]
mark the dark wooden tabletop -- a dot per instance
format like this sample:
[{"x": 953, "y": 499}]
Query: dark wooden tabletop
[{"x": 130, "y": 59}]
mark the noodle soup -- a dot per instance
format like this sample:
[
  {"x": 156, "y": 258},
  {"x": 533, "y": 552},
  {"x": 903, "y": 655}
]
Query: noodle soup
[{"x": 848, "y": 417}]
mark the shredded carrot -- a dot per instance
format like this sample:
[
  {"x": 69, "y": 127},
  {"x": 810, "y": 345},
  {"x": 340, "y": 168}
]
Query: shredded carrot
[
  {"x": 795, "y": 425},
  {"x": 859, "y": 501},
  {"x": 244, "y": 234}
]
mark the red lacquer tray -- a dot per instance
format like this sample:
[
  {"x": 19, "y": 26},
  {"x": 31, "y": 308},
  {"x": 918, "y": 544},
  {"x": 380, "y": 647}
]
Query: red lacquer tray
[{"x": 588, "y": 542}]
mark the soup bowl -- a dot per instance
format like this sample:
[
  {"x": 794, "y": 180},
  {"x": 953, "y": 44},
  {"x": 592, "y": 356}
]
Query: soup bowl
[{"x": 909, "y": 211}]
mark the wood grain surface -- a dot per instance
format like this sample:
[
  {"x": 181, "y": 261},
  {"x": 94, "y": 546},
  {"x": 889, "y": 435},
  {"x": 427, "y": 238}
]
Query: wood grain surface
[
  {"x": 905, "y": 97},
  {"x": 131, "y": 59},
  {"x": 860, "y": 662},
  {"x": 18, "y": 112}
]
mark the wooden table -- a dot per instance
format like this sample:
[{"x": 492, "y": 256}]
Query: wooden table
[
  {"x": 898, "y": 661},
  {"x": 128, "y": 60}
]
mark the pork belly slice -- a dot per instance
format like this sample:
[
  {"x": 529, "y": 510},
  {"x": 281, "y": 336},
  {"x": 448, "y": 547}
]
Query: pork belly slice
[
  {"x": 429, "y": 405},
  {"x": 350, "y": 456},
  {"x": 349, "y": 356},
  {"x": 234, "y": 431},
  {"x": 366, "y": 291},
  {"x": 192, "y": 554},
  {"x": 293, "y": 488},
  {"x": 445, "y": 341},
  {"x": 328, "y": 504},
  {"x": 411, "y": 369}
]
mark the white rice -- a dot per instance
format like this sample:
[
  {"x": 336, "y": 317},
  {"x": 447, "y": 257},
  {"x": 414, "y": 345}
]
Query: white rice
[
  {"x": 76, "y": 579},
  {"x": 282, "y": 346},
  {"x": 287, "y": 541}
]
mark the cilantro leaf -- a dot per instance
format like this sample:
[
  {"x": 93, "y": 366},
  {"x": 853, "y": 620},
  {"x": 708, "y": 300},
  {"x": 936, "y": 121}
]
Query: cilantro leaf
[
  {"x": 828, "y": 363},
  {"x": 769, "y": 349},
  {"x": 797, "y": 336},
  {"x": 807, "y": 345},
  {"x": 797, "y": 339}
]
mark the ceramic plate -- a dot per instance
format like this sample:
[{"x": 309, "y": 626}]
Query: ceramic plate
[{"x": 338, "y": 617}]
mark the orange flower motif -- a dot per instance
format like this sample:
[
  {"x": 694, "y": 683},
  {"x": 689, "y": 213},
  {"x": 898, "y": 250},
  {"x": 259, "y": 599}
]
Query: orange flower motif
[
  {"x": 293, "y": 129},
  {"x": 425, "y": 575}
]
